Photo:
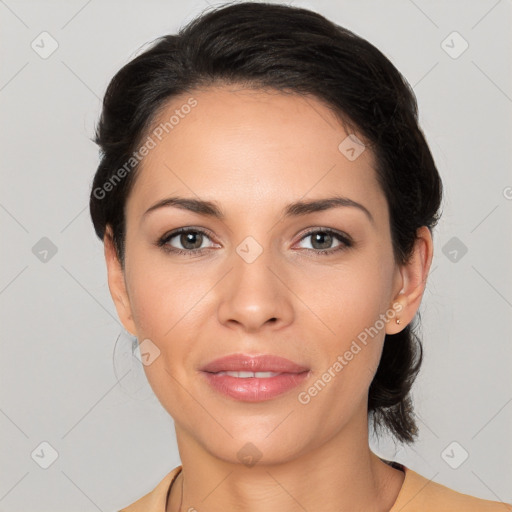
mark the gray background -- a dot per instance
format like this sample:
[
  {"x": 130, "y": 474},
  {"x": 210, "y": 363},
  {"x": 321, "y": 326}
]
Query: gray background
[{"x": 67, "y": 375}]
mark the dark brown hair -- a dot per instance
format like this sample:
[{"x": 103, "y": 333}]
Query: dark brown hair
[{"x": 288, "y": 49}]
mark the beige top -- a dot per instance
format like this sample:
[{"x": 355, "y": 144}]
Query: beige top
[{"x": 417, "y": 494}]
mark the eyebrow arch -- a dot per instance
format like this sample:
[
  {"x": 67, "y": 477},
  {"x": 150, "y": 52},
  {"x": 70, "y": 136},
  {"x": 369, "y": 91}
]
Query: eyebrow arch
[{"x": 298, "y": 208}]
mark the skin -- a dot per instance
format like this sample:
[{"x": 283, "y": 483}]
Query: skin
[{"x": 254, "y": 152}]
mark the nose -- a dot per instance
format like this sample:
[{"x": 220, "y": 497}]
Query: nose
[{"x": 255, "y": 295}]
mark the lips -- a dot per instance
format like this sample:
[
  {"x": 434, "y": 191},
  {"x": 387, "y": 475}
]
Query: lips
[
  {"x": 254, "y": 378},
  {"x": 261, "y": 363}
]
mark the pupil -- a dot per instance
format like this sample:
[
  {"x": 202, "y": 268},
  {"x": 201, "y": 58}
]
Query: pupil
[
  {"x": 323, "y": 236},
  {"x": 189, "y": 238}
]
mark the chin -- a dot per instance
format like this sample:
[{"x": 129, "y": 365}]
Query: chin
[{"x": 249, "y": 452}]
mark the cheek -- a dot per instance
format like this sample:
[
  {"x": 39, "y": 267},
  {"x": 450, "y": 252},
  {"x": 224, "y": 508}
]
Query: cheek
[
  {"x": 165, "y": 304},
  {"x": 345, "y": 298},
  {"x": 164, "y": 295},
  {"x": 347, "y": 307}
]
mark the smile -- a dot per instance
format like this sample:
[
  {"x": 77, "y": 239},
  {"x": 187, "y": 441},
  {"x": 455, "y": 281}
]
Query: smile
[{"x": 248, "y": 375}]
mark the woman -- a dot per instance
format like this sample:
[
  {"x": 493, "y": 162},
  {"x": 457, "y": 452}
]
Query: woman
[{"x": 266, "y": 200}]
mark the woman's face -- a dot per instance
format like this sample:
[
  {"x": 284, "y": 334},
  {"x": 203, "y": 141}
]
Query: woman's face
[{"x": 254, "y": 281}]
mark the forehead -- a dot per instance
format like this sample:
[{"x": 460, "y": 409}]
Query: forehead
[{"x": 252, "y": 149}]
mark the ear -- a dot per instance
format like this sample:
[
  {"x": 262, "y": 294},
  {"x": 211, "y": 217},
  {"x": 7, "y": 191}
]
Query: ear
[
  {"x": 117, "y": 284},
  {"x": 413, "y": 278}
]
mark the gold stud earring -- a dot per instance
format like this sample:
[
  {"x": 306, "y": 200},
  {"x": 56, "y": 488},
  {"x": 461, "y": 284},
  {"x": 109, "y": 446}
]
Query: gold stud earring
[{"x": 398, "y": 320}]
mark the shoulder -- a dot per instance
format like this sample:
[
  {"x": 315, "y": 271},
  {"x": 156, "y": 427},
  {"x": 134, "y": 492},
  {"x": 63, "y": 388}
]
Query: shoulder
[
  {"x": 155, "y": 500},
  {"x": 419, "y": 494}
]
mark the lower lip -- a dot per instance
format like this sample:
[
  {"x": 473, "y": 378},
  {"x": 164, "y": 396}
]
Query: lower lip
[{"x": 252, "y": 389}]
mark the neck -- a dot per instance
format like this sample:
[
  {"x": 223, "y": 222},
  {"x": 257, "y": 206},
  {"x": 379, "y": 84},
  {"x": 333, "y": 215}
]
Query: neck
[{"x": 341, "y": 474}]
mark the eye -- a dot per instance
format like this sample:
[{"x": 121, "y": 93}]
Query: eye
[
  {"x": 191, "y": 241},
  {"x": 322, "y": 239},
  {"x": 189, "y": 238}
]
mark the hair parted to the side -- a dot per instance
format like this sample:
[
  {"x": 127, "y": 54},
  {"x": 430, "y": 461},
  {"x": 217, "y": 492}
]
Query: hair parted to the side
[{"x": 293, "y": 50}]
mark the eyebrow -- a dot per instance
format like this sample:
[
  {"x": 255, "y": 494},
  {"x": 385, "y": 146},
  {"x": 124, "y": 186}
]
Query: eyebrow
[{"x": 296, "y": 209}]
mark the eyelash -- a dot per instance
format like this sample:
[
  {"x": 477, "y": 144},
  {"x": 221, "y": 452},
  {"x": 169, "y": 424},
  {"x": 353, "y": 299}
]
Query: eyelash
[{"x": 346, "y": 242}]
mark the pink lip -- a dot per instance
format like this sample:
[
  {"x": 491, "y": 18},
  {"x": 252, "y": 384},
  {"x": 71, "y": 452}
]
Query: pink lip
[
  {"x": 242, "y": 362},
  {"x": 253, "y": 389}
]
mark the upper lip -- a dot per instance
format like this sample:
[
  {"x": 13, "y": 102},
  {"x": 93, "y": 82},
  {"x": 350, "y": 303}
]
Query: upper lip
[{"x": 259, "y": 363}]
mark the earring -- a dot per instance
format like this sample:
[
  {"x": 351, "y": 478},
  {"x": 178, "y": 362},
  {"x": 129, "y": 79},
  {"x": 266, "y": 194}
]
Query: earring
[{"x": 398, "y": 320}]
